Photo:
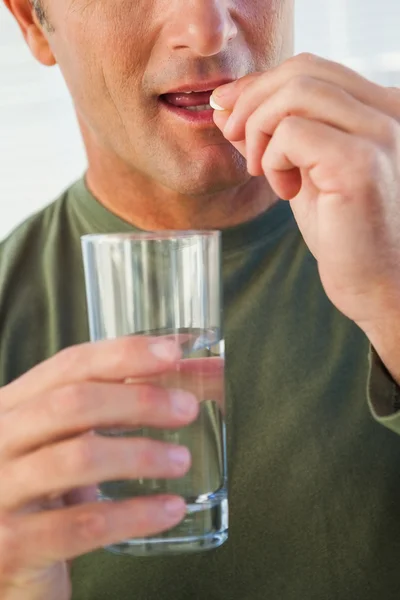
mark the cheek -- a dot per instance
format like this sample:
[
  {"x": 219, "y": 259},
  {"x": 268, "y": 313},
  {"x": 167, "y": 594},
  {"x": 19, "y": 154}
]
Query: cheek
[
  {"x": 98, "y": 52},
  {"x": 269, "y": 24}
]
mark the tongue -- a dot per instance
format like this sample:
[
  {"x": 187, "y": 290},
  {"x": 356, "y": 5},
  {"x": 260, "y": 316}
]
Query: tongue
[{"x": 184, "y": 100}]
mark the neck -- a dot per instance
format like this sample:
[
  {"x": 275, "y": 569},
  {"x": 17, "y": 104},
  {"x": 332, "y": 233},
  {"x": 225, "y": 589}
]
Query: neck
[{"x": 150, "y": 206}]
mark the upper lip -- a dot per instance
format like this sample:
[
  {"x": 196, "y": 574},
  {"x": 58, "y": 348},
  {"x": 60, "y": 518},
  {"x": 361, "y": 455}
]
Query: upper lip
[{"x": 198, "y": 86}]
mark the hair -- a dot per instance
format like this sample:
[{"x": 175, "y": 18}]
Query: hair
[{"x": 41, "y": 14}]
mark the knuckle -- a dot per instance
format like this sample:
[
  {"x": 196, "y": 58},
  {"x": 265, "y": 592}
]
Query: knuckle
[
  {"x": 307, "y": 57},
  {"x": 301, "y": 84},
  {"x": 248, "y": 83},
  {"x": 69, "y": 400},
  {"x": 68, "y": 359},
  {"x": 287, "y": 125},
  {"x": 148, "y": 454},
  {"x": 146, "y": 397},
  {"x": 300, "y": 61},
  {"x": 124, "y": 351},
  {"x": 89, "y": 526},
  {"x": 252, "y": 77},
  {"x": 82, "y": 456}
]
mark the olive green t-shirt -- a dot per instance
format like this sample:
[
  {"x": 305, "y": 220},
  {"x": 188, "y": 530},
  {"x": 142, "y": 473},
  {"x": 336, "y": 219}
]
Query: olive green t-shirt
[{"x": 314, "y": 478}]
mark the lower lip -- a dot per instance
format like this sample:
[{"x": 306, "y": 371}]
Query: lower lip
[{"x": 204, "y": 117}]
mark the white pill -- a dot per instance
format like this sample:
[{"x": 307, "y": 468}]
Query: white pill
[{"x": 214, "y": 105}]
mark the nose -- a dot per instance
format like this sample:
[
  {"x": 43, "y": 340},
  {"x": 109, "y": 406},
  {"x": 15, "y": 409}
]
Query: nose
[{"x": 204, "y": 27}]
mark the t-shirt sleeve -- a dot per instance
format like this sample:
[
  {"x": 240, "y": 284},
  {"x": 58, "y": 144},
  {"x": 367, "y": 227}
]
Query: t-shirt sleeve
[{"x": 383, "y": 393}]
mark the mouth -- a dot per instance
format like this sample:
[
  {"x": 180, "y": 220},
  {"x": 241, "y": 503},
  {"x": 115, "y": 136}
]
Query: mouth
[
  {"x": 191, "y": 103},
  {"x": 193, "y": 107}
]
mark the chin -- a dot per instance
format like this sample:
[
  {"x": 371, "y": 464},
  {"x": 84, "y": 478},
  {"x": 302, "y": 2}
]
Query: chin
[{"x": 203, "y": 176}]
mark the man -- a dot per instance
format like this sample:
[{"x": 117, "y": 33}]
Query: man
[{"x": 315, "y": 482}]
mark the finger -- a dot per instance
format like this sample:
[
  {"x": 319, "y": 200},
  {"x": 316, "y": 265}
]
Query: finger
[
  {"x": 82, "y": 407},
  {"x": 329, "y": 156},
  {"x": 202, "y": 377},
  {"x": 312, "y": 99},
  {"x": 288, "y": 182},
  {"x": 226, "y": 95},
  {"x": 71, "y": 532},
  {"x": 254, "y": 91},
  {"x": 245, "y": 99},
  {"x": 220, "y": 119},
  {"x": 85, "y": 494},
  {"x": 109, "y": 360},
  {"x": 53, "y": 470}
]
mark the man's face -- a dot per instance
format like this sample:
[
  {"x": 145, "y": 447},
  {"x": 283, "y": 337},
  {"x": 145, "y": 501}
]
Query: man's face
[{"x": 125, "y": 62}]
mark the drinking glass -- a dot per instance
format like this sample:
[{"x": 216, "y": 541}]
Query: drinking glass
[{"x": 169, "y": 284}]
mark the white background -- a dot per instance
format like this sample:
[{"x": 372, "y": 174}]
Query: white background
[{"x": 40, "y": 149}]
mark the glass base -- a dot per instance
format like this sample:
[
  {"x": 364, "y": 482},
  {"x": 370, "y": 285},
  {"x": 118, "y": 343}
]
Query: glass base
[
  {"x": 169, "y": 546},
  {"x": 204, "y": 527}
]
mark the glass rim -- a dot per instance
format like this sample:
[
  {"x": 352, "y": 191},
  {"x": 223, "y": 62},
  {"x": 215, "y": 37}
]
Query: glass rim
[{"x": 150, "y": 236}]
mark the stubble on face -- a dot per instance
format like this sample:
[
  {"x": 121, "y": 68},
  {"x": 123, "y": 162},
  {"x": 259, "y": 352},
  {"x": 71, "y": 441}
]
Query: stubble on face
[{"x": 117, "y": 56}]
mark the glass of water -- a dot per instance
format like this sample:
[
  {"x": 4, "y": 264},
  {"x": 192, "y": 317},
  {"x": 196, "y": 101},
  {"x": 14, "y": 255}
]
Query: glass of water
[{"x": 169, "y": 284}]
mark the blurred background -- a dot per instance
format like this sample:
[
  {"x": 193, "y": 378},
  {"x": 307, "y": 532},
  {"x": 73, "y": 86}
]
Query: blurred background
[{"x": 40, "y": 148}]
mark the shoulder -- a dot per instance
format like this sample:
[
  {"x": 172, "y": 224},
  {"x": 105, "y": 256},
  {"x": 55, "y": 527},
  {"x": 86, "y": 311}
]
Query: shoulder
[
  {"x": 21, "y": 246},
  {"x": 28, "y": 274}
]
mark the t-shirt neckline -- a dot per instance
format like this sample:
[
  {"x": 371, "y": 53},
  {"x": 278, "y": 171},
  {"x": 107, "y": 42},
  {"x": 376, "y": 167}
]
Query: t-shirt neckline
[{"x": 97, "y": 219}]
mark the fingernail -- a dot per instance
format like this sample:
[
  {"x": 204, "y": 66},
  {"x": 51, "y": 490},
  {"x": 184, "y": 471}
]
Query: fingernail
[
  {"x": 179, "y": 456},
  {"x": 166, "y": 350},
  {"x": 183, "y": 403},
  {"x": 174, "y": 506},
  {"x": 214, "y": 105}
]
